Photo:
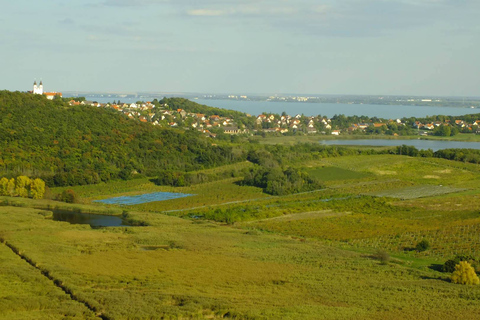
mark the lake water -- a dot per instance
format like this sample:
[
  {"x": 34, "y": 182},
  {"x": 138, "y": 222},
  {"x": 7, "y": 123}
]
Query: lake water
[
  {"x": 331, "y": 109},
  {"x": 144, "y": 198},
  {"x": 314, "y": 109},
  {"x": 95, "y": 220},
  {"x": 435, "y": 145}
]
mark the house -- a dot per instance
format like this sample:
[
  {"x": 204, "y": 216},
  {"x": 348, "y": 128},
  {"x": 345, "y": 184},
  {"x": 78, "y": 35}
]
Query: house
[
  {"x": 231, "y": 130},
  {"x": 182, "y": 112},
  {"x": 336, "y": 132},
  {"x": 311, "y": 130},
  {"x": 429, "y": 126}
]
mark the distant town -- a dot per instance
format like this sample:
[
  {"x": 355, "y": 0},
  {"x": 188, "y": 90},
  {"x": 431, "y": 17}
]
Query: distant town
[{"x": 159, "y": 113}]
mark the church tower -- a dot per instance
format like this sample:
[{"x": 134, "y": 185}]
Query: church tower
[{"x": 38, "y": 89}]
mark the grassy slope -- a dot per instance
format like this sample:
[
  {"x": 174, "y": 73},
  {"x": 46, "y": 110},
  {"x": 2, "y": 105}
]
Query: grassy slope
[
  {"x": 313, "y": 263},
  {"x": 209, "y": 270}
]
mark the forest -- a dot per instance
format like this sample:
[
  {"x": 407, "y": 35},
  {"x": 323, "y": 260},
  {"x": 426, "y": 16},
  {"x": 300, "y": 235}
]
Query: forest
[{"x": 75, "y": 145}]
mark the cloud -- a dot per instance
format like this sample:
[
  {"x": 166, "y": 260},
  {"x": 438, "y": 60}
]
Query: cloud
[
  {"x": 207, "y": 12},
  {"x": 67, "y": 21},
  {"x": 131, "y": 3}
]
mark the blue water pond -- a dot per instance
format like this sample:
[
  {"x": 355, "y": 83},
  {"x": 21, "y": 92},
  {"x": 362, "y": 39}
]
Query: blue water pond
[{"x": 144, "y": 198}]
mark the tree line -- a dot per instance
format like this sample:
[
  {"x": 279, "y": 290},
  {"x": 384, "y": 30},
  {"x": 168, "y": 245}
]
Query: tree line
[{"x": 22, "y": 186}]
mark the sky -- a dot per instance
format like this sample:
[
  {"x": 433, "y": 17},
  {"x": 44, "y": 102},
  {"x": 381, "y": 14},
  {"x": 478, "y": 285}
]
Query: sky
[{"x": 366, "y": 47}]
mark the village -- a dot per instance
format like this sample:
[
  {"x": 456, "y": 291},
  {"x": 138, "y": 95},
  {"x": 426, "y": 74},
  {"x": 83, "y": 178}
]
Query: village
[{"x": 163, "y": 115}]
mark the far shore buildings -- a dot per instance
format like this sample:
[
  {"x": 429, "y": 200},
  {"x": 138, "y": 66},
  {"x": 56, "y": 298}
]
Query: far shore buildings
[{"x": 39, "y": 90}]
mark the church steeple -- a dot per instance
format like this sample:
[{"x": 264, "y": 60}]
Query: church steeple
[{"x": 37, "y": 89}]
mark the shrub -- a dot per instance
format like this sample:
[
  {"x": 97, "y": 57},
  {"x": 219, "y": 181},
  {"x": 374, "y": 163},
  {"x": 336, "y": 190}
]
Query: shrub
[
  {"x": 422, "y": 245},
  {"x": 449, "y": 265},
  {"x": 464, "y": 274},
  {"x": 68, "y": 196},
  {"x": 382, "y": 256}
]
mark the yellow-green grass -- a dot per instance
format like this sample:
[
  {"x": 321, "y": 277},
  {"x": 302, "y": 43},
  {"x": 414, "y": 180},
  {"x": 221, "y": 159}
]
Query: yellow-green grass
[
  {"x": 202, "y": 270},
  {"x": 26, "y": 294},
  {"x": 419, "y": 191}
]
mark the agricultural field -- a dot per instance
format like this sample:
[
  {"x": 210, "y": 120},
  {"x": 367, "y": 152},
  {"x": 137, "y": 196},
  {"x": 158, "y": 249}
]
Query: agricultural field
[{"x": 231, "y": 251}]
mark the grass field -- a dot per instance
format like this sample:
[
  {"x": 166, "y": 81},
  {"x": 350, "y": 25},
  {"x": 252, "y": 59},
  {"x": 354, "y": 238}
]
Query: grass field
[
  {"x": 202, "y": 270},
  {"x": 302, "y": 256},
  {"x": 334, "y": 173}
]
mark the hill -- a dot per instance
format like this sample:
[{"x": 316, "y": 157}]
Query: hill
[{"x": 72, "y": 145}]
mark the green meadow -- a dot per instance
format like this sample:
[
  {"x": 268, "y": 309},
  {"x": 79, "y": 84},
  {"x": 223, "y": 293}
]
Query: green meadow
[{"x": 231, "y": 251}]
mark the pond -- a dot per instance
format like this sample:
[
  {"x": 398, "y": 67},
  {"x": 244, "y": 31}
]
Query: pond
[
  {"x": 435, "y": 145},
  {"x": 94, "y": 220},
  {"x": 144, "y": 198}
]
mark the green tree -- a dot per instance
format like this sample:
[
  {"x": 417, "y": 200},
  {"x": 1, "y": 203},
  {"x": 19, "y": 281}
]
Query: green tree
[
  {"x": 464, "y": 274},
  {"x": 422, "y": 245}
]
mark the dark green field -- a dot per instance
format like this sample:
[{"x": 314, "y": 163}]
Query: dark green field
[{"x": 335, "y": 173}]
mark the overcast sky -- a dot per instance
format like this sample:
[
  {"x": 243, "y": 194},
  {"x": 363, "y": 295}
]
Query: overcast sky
[{"x": 408, "y": 47}]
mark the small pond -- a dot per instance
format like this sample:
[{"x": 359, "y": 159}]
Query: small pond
[
  {"x": 144, "y": 198},
  {"x": 94, "y": 220}
]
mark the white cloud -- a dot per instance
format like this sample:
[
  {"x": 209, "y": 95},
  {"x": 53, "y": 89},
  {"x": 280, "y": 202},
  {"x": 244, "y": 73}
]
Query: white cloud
[{"x": 207, "y": 12}]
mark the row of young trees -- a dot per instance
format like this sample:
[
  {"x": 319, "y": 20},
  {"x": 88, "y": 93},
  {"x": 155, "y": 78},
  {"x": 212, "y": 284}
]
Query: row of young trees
[
  {"x": 463, "y": 155},
  {"x": 22, "y": 186}
]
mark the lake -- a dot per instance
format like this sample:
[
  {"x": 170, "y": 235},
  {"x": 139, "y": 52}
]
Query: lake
[
  {"x": 314, "y": 109},
  {"x": 435, "y": 145},
  {"x": 331, "y": 109},
  {"x": 94, "y": 220},
  {"x": 144, "y": 198}
]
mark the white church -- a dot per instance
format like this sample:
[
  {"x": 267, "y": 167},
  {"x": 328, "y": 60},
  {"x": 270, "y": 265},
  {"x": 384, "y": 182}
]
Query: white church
[{"x": 39, "y": 90}]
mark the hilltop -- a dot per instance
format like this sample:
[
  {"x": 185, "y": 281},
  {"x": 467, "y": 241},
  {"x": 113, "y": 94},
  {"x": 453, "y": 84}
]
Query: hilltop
[{"x": 70, "y": 145}]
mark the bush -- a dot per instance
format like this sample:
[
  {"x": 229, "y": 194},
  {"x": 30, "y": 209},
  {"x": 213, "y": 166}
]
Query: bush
[
  {"x": 422, "y": 245},
  {"x": 382, "y": 256},
  {"x": 276, "y": 181},
  {"x": 68, "y": 196},
  {"x": 464, "y": 274},
  {"x": 449, "y": 265}
]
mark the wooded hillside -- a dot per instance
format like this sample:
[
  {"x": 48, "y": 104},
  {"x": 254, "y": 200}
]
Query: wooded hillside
[{"x": 70, "y": 145}]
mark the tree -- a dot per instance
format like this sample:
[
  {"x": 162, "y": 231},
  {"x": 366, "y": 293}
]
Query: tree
[
  {"x": 422, "y": 245},
  {"x": 11, "y": 187},
  {"x": 21, "y": 186},
  {"x": 37, "y": 188},
  {"x": 3, "y": 187},
  {"x": 464, "y": 274}
]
